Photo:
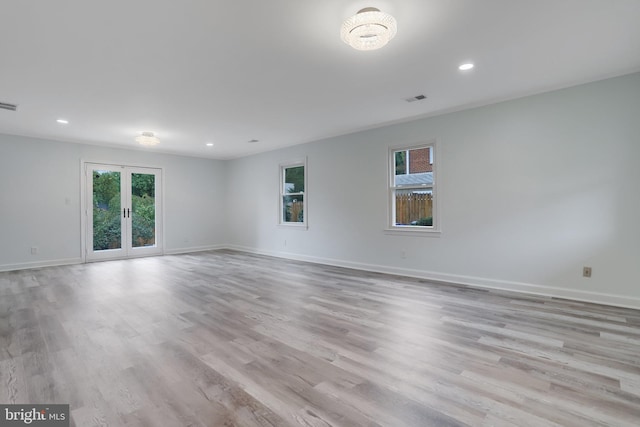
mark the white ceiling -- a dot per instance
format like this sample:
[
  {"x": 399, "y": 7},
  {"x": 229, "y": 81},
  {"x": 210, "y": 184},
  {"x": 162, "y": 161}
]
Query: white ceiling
[{"x": 198, "y": 71}]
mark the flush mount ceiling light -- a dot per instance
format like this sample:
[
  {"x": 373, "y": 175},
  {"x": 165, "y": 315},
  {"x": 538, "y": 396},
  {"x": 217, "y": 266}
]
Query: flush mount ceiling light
[
  {"x": 148, "y": 139},
  {"x": 466, "y": 67},
  {"x": 63, "y": 121},
  {"x": 369, "y": 29}
]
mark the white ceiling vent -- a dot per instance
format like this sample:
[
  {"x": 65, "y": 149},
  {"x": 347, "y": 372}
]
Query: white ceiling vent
[{"x": 6, "y": 106}]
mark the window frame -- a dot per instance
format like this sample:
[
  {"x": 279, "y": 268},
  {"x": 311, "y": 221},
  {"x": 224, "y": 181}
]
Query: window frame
[
  {"x": 281, "y": 193},
  {"x": 416, "y": 230}
]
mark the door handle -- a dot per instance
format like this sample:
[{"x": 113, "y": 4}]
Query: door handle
[
  {"x": 124, "y": 213},
  {"x": 128, "y": 213}
]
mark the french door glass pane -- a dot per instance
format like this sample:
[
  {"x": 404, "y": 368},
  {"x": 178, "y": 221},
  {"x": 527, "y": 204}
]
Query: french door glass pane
[
  {"x": 107, "y": 226},
  {"x": 143, "y": 215}
]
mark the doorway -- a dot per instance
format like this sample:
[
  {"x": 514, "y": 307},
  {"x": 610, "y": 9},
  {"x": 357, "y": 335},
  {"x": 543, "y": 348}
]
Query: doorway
[{"x": 123, "y": 211}]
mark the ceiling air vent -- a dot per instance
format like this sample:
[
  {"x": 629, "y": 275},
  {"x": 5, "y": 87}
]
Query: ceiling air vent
[
  {"x": 416, "y": 98},
  {"x": 6, "y": 106}
]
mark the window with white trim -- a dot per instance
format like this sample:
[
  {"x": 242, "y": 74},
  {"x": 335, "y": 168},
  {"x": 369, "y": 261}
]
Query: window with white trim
[
  {"x": 412, "y": 188},
  {"x": 293, "y": 202}
]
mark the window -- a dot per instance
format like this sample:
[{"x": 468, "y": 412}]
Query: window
[
  {"x": 293, "y": 203},
  {"x": 412, "y": 188}
]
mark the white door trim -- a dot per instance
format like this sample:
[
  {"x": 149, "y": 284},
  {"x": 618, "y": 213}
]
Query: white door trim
[{"x": 86, "y": 199}]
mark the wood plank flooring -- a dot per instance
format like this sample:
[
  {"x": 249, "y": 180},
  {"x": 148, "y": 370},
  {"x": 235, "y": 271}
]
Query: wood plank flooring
[{"x": 224, "y": 338}]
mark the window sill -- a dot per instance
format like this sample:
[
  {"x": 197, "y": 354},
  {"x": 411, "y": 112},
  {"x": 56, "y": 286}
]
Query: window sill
[
  {"x": 412, "y": 231},
  {"x": 294, "y": 225}
]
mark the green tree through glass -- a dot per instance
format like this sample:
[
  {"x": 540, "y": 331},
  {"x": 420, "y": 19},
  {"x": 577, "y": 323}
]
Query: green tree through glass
[
  {"x": 143, "y": 224},
  {"x": 107, "y": 230}
]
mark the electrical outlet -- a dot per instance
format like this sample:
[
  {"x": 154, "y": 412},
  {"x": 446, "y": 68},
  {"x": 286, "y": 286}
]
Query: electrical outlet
[
  {"x": 34, "y": 250},
  {"x": 586, "y": 271},
  {"x": 403, "y": 254},
  {"x": 285, "y": 243}
]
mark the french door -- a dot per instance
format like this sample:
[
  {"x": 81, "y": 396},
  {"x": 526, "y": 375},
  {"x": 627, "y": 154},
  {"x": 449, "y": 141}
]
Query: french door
[{"x": 123, "y": 211}]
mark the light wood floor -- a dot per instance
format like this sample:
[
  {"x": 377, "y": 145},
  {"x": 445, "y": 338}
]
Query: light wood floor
[{"x": 229, "y": 339}]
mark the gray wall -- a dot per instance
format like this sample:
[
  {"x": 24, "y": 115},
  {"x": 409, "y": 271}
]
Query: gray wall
[
  {"x": 530, "y": 191},
  {"x": 40, "y": 199}
]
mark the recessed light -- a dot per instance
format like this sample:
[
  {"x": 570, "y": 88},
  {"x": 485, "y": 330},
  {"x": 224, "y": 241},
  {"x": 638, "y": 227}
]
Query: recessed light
[
  {"x": 253, "y": 141},
  {"x": 466, "y": 67},
  {"x": 209, "y": 144},
  {"x": 63, "y": 121}
]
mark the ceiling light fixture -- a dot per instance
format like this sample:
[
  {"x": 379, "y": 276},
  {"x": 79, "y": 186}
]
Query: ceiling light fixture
[
  {"x": 369, "y": 29},
  {"x": 63, "y": 121},
  {"x": 148, "y": 139},
  {"x": 209, "y": 144},
  {"x": 466, "y": 67}
]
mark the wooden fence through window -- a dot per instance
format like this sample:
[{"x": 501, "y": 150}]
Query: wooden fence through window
[
  {"x": 295, "y": 208},
  {"x": 412, "y": 207}
]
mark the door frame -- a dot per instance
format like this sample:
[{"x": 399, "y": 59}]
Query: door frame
[{"x": 85, "y": 204}]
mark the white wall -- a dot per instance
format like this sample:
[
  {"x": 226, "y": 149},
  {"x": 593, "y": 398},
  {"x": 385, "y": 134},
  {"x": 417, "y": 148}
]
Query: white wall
[
  {"x": 530, "y": 191},
  {"x": 40, "y": 199}
]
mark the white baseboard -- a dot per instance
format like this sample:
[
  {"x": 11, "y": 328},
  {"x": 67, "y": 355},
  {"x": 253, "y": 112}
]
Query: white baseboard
[
  {"x": 194, "y": 249},
  {"x": 40, "y": 264},
  {"x": 478, "y": 282}
]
